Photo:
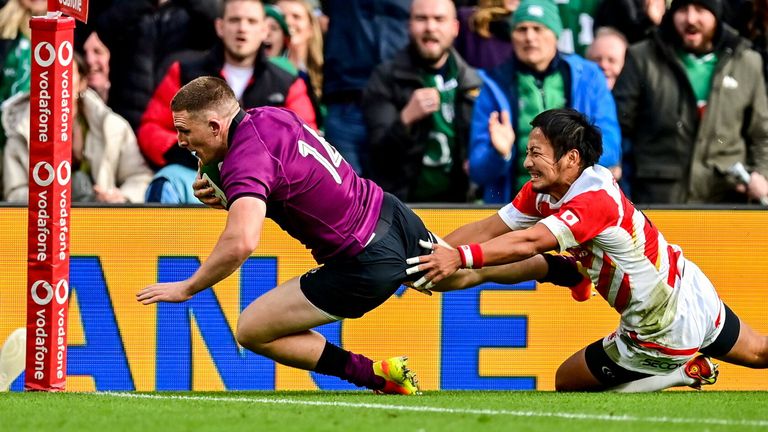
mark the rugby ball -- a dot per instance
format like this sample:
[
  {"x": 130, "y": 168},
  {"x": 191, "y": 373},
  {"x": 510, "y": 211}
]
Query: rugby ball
[{"x": 212, "y": 173}]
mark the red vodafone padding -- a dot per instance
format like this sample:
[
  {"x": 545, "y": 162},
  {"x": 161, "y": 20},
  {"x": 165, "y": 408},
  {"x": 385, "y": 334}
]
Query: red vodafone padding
[
  {"x": 74, "y": 8},
  {"x": 49, "y": 202}
]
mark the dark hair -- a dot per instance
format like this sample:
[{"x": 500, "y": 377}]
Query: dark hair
[
  {"x": 82, "y": 67},
  {"x": 204, "y": 93},
  {"x": 567, "y": 129}
]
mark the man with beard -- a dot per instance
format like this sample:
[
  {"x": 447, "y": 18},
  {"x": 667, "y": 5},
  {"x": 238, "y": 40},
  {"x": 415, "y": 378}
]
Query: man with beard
[
  {"x": 692, "y": 102},
  {"x": 535, "y": 79},
  {"x": 240, "y": 60},
  {"x": 417, "y": 108}
]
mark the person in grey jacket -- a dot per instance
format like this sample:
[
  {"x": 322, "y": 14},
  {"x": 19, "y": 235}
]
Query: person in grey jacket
[
  {"x": 417, "y": 109},
  {"x": 692, "y": 102}
]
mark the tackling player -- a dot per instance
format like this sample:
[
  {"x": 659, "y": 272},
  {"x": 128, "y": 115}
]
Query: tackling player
[
  {"x": 669, "y": 309},
  {"x": 274, "y": 165}
]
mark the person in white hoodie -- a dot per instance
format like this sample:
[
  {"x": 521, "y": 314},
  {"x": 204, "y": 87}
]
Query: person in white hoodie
[{"x": 107, "y": 165}]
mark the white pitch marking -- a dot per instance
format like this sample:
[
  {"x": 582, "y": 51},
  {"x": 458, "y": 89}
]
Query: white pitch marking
[{"x": 570, "y": 416}]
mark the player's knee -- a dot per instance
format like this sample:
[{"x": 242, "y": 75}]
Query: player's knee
[{"x": 249, "y": 338}]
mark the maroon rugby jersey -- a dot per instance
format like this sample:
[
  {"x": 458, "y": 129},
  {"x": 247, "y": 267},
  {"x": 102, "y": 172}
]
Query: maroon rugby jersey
[{"x": 310, "y": 190}]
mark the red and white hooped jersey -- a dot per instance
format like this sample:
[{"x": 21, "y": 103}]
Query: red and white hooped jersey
[{"x": 630, "y": 263}]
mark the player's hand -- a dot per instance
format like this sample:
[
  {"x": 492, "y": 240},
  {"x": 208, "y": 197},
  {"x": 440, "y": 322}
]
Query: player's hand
[
  {"x": 501, "y": 132},
  {"x": 109, "y": 195},
  {"x": 204, "y": 192},
  {"x": 758, "y": 186},
  {"x": 757, "y": 189},
  {"x": 441, "y": 263},
  {"x": 172, "y": 292},
  {"x": 410, "y": 284},
  {"x": 423, "y": 102}
]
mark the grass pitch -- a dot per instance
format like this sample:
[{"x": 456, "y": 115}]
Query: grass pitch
[{"x": 357, "y": 411}]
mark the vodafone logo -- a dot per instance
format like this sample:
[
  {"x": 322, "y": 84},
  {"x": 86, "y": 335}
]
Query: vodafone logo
[
  {"x": 61, "y": 292},
  {"x": 50, "y": 54},
  {"x": 43, "y": 173},
  {"x": 44, "y": 54}
]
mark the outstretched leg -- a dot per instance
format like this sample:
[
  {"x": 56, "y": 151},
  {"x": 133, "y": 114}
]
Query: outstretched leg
[
  {"x": 278, "y": 325},
  {"x": 590, "y": 369}
]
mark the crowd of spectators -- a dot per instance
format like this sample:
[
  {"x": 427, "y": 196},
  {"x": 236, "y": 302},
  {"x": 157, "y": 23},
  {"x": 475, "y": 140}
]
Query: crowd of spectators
[{"x": 430, "y": 98}]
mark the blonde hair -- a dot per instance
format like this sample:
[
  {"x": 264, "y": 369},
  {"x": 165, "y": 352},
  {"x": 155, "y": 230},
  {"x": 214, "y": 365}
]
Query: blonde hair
[
  {"x": 314, "y": 60},
  {"x": 204, "y": 93},
  {"x": 486, "y": 12},
  {"x": 14, "y": 19}
]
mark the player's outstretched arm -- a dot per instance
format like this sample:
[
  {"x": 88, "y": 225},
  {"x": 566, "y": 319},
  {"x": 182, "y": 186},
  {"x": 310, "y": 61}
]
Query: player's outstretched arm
[
  {"x": 237, "y": 242},
  {"x": 509, "y": 248},
  {"x": 533, "y": 268}
]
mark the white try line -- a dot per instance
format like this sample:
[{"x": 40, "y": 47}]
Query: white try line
[{"x": 429, "y": 409}]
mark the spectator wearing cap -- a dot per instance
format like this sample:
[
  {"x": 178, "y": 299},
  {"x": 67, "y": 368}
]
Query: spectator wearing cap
[
  {"x": 278, "y": 35},
  {"x": 692, "y": 102},
  {"x": 278, "y": 38},
  {"x": 536, "y": 78}
]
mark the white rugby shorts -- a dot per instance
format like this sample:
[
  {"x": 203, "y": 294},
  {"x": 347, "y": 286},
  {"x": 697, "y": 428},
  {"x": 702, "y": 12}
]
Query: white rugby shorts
[{"x": 698, "y": 322}]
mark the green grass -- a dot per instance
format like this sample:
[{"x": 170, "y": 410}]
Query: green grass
[{"x": 356, "y": 411}]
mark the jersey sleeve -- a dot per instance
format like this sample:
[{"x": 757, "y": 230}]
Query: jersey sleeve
[
  {"x": 521, "y": 213},
  {"x": 250, "y": 170},
  {"x": 583, "y": 218}
]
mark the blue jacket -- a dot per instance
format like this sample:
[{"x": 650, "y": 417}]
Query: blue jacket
[
  {"x": 589, "y": 95},
  {"x": 364, "y": 33}
]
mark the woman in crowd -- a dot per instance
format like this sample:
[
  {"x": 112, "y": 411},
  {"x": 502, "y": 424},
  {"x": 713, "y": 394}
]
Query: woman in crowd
[
  {"x": 97, "y": 57},
  {"x": 107, "y": 166},
  {"x": 306, "y": 46}
]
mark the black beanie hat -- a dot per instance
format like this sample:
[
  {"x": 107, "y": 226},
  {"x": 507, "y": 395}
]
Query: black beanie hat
[{"x": 714, "y": 6}]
